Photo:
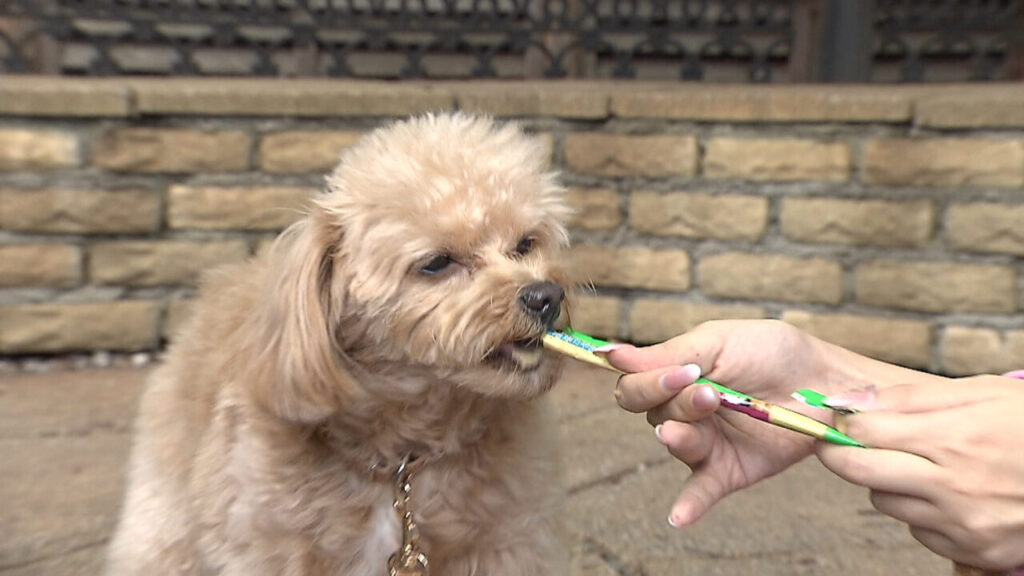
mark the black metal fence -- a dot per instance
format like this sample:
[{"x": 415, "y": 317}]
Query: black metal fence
[{"x": 714, "y": 40}]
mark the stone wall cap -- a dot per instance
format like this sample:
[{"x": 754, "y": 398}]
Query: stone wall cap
[
  {"x": 931, "y": 105},
  {"x": 768, "y": 103},
  {"x": 59, "y": 96},
  {"x": 560, "y": 98},
  {"x": 287, "y": 97},
  {"x": 978, "y": 106}
]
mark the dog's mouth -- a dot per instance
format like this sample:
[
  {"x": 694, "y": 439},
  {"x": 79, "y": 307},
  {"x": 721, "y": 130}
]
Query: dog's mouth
[{"x": 524, "y": 354}]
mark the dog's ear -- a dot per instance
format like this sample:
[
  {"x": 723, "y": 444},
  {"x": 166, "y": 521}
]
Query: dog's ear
[{"x": 305, "y": 375}]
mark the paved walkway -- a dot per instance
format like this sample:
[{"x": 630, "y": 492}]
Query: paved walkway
[{"x": 64, "y": 438}]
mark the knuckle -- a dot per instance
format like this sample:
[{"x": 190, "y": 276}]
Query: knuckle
[
  {"x": 879, "y": 500},
  {"x": 981, "y": 525},
  {"x": 855, "y": 470}
]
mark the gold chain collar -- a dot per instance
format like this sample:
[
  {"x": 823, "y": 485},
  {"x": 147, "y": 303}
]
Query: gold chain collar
[{"x": 409, "y": 559}]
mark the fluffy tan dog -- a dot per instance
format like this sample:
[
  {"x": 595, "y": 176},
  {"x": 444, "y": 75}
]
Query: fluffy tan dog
[{"x": 398, "y": 322}]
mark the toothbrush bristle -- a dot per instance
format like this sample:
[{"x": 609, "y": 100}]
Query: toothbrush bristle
[{"x": 572, "y": 340}]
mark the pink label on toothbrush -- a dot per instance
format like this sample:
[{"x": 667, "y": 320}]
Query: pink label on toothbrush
[{"x": 748, "y": 406}]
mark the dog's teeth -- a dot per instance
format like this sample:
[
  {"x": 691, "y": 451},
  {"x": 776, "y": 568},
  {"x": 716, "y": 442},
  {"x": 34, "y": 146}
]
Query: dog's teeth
[{"x": 527, "y": 357}]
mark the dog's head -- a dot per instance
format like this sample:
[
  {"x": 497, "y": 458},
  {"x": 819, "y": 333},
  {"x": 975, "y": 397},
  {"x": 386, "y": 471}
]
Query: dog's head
[{"x": 435, "y": 250}]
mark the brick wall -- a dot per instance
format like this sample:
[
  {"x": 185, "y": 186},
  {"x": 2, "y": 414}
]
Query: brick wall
[{"x": 886, "y": 219}]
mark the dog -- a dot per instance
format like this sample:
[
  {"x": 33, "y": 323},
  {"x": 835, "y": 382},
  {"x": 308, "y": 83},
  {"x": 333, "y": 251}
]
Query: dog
[{"x": 366, "y": 394}]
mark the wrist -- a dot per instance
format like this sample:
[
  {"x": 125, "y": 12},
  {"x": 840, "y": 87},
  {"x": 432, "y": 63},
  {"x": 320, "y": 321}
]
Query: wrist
[{"x": 840, "y": 370}]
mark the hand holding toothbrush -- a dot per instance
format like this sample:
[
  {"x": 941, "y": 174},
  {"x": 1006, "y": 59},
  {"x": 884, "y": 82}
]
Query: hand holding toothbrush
[
  {"x": 933, "y": 436},
  {"x": 730, "y": 451}
]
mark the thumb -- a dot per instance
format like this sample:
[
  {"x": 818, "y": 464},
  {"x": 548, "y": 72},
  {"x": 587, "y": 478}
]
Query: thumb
[{"x": 700, "y": 493}]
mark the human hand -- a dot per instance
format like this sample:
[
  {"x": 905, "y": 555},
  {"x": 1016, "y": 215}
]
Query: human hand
[
  {"x": 947, "y": 458},
  {"x": 726, "y": 451}
]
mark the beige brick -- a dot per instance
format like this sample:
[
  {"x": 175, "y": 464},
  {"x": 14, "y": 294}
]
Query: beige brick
[
  {"x": 937, "y": 286},
  {"x": 175, "y": 316},
  {"x": 776, "y": 159},
  {"x": 967, "y": 350},
  {"x": 653, "y": 320},
  {"x": 63, "y": 96},
  {"x": 904, "y": 342},
  {"x": 546, "y": 140},
  {"x": 160, "y": 262},
  {"x": 944, "y": 162},
  {"x": 597, "y": 315},
  {"x": 652, "y": 156},
  {"x": 994, "y": 106},
  {"x": 774, "y": 103},
  {"x": 858, "y": 222},
  {"x": 303, "y": 151},
  {"x": 264, "y": 243},
  {"x": 697, "y": 215},
  {"x": 44, "y": 328},
  {"x": 986, "y": 227},
  {"x": 595, "y": 208},
  {"x": 39, "y": 265},
  {"x": 771, "y": 277},
  {"x": 68, "y": 211},
  {"x": 565, "y": 99},
  {"x": 172, "y": 150},
  {"x": 294, "y": 97},
  {"x": 37, "y": 150},
  {"x": 256, "y": 208},
  {"x": 632, "y": 267}
]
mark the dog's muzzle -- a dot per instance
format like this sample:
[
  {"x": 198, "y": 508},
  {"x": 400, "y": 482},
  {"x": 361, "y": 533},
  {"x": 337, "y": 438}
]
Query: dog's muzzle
[{"x": 542, "y": 302}]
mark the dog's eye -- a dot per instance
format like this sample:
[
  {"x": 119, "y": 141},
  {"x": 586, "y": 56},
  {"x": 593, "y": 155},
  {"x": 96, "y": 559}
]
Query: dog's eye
[
  {"x": 437, "y": 264},
  {"x": 525, "y": 246}
]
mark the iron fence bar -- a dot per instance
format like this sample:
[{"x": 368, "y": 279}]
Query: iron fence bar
[{"x": 846, "y": 40}]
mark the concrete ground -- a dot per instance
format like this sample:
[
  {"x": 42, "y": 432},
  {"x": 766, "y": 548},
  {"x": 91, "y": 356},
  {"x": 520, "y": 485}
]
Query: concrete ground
[{"x": 64, "y": 438}]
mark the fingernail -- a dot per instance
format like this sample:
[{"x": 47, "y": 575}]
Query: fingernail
[
  {"x": 657, "y": 432},
  {"x": 705, "y": 397},
  {"x": 672, "y": 521},
  {"x": 609, "y": 348},
  {"x": 679, "y": 378},
  {"x": 853, "y": 399}
]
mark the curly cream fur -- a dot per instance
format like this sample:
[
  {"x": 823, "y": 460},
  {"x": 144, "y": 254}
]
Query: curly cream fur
[{"x": 332, "y": 353}]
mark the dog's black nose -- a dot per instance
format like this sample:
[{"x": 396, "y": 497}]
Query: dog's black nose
[{"x": 543, "y": 300}]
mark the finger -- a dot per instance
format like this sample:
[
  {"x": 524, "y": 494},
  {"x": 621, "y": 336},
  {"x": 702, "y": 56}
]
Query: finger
[
  {"x": 885, "y": 470},
  {"x": 689, "y": 443},
  {"x": 693, "y": 404},
  {"x": 914, "y": 433},
  {"x": 643, "y": 391},
  {"x": 935, "y": 541},
  {"x": 912, "y": 398},
  {"x": 907, "y": 509},
  {"x": 701, "y": 491},
  {"x": 698, "y": 347},
  {"x": 968, "y": 562}
]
